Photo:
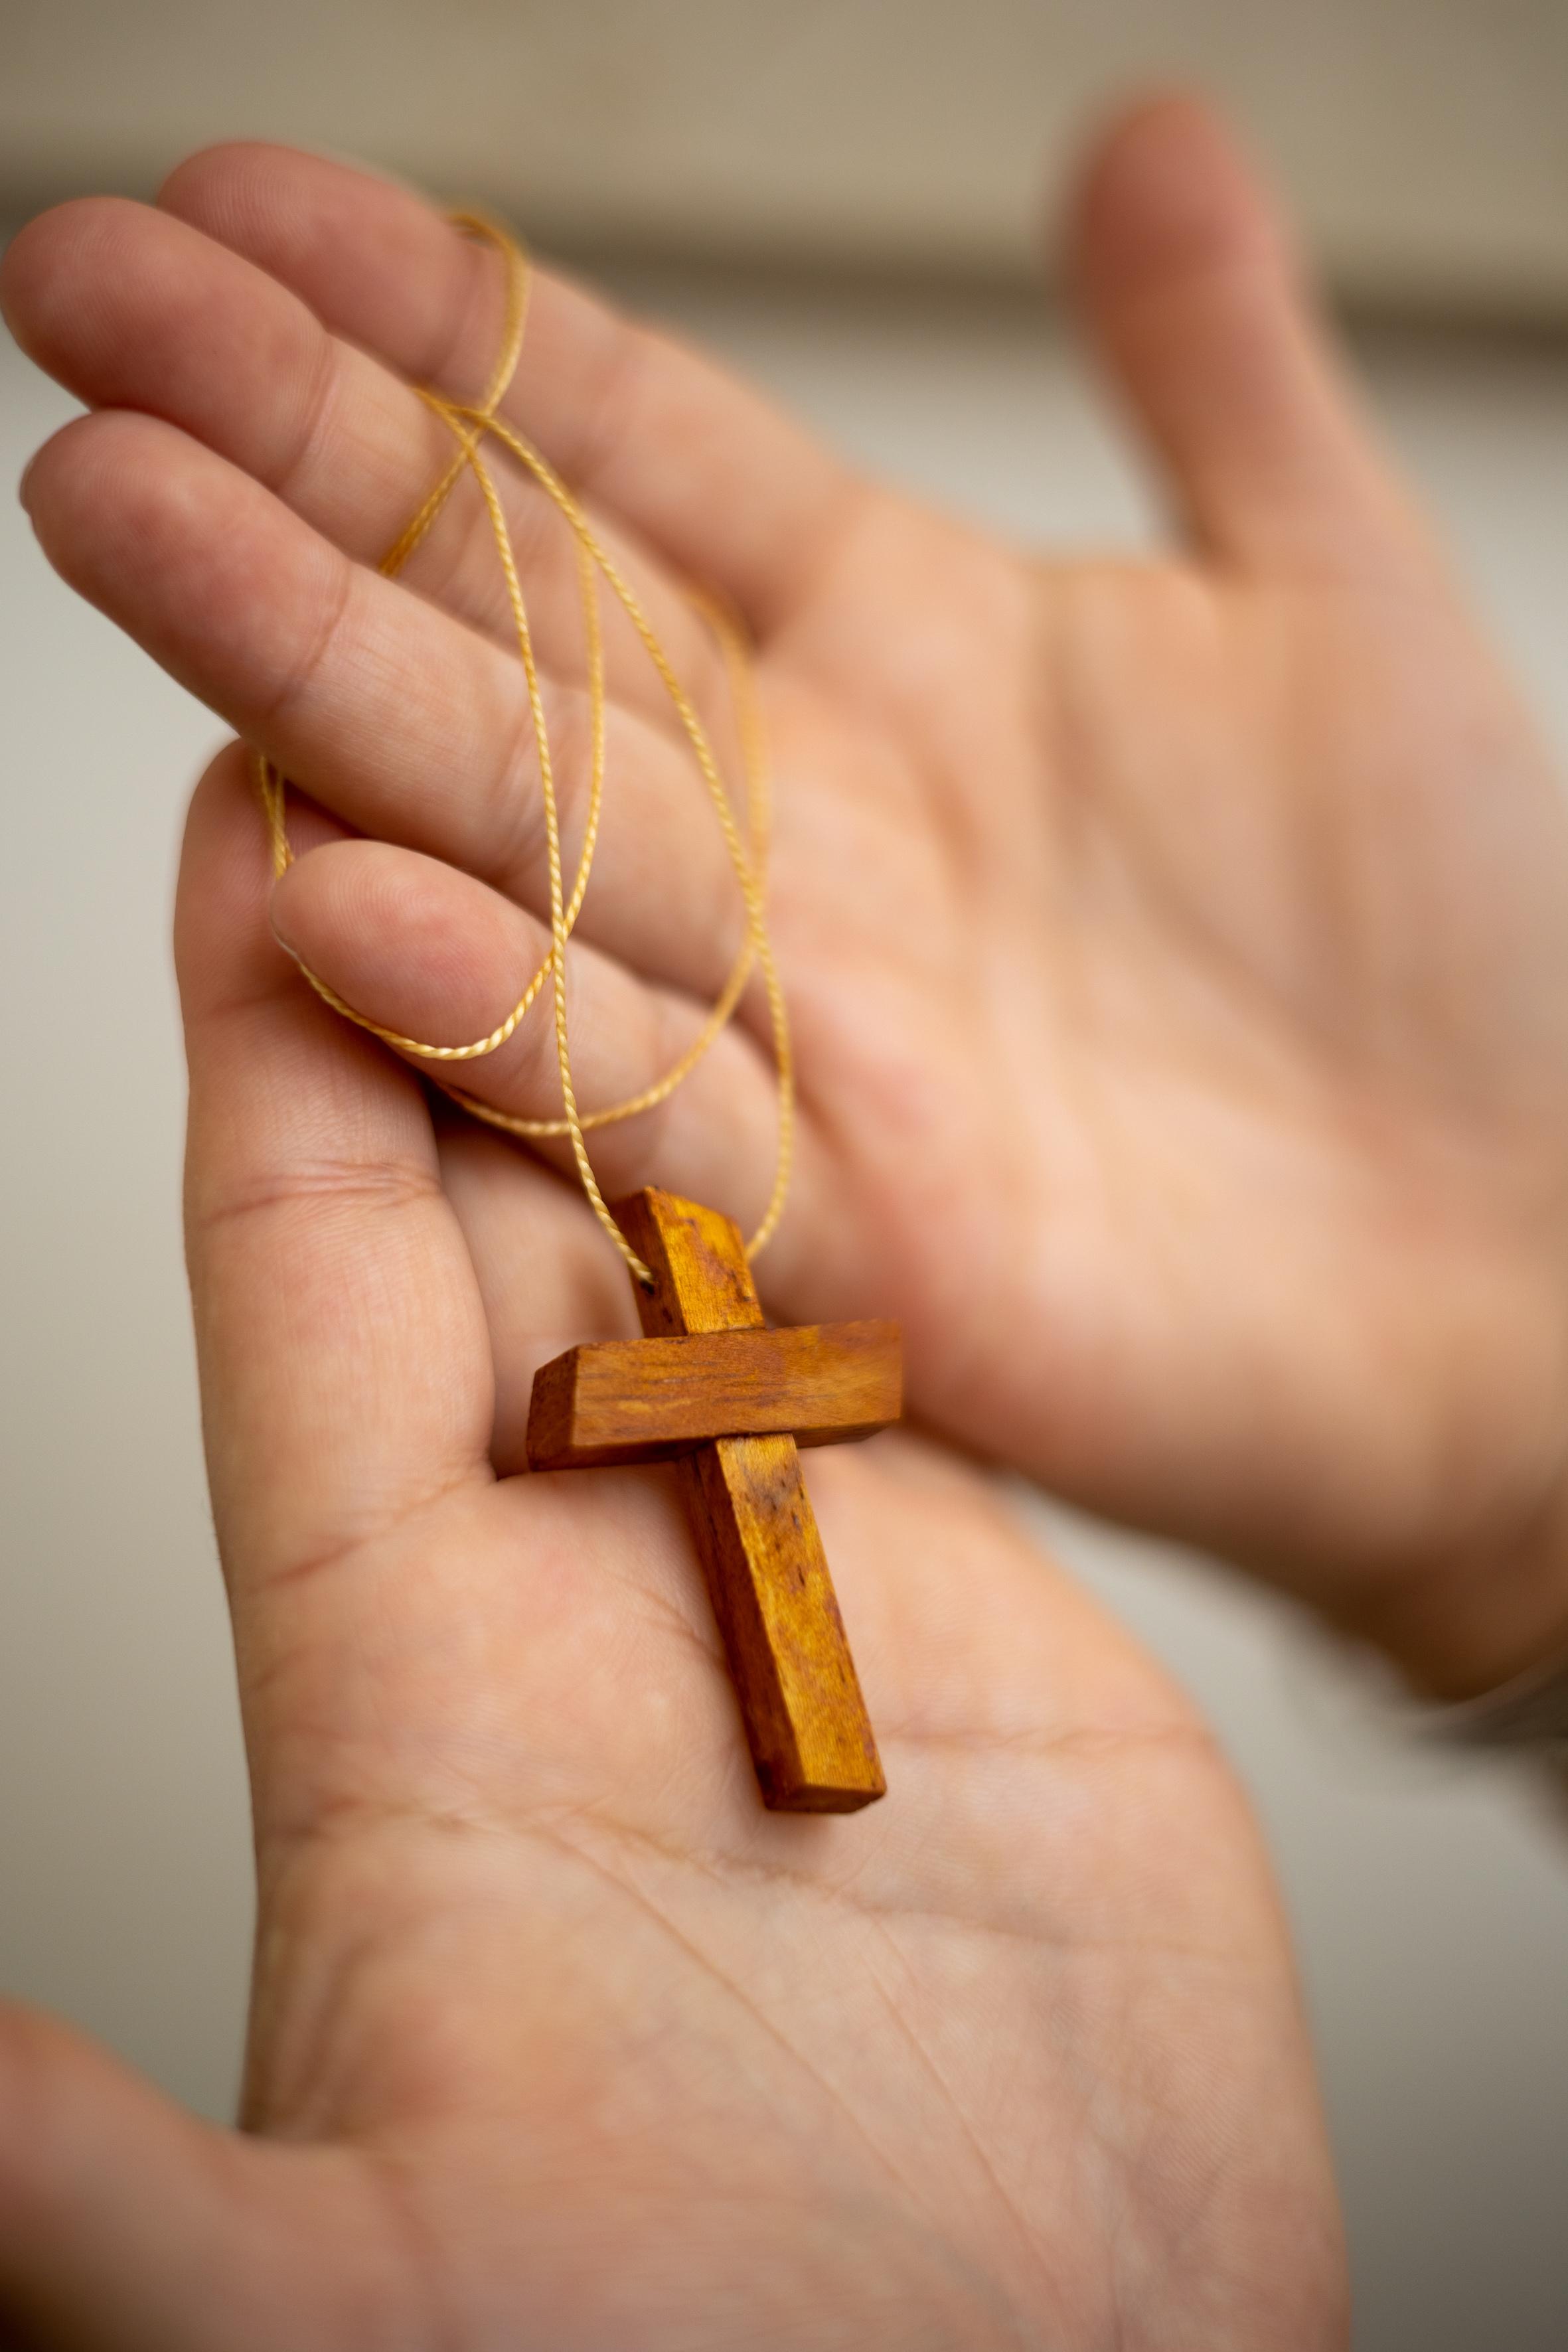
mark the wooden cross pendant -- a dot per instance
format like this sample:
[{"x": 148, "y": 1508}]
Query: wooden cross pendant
[{"x": 711, "y": 1386}]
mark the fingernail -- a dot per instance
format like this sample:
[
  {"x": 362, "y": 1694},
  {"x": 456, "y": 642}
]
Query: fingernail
[
  {"x": 286, "y": 945},
  {"x": 22, "y": 484}
]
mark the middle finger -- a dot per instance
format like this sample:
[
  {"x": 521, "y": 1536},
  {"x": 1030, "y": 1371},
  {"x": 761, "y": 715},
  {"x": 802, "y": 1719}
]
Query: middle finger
[{"x": 132, "y": 309}]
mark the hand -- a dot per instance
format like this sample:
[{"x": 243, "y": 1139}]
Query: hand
[
  {"x": 1178, "y": 949},
  {"x": 558, "y": 2039}
]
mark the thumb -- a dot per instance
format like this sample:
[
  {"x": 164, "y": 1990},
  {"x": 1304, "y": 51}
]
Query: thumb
[
  {"x": 1192, "y": 289},
  {"x": 127, "y": 2225}
]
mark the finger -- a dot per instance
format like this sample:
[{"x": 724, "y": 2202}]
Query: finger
[
  {"x": 385, "y": 1589},
  {"x": 126, "y": 2226},
  {"x": 715, "y": 481},
  {"x": 426, "y": 951},
  {"x": 392, "y": 715},
  {"x": 1190, "y": 285},
  {"x": 130, "y": 308},
  {"x": 345, "y": 1369}
]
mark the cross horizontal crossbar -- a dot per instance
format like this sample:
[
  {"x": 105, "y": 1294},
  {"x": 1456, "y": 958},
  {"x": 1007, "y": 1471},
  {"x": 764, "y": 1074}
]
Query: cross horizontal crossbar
[
  {"x": 733, "y": 1432},
  {"x": 625, "y": 1400}
]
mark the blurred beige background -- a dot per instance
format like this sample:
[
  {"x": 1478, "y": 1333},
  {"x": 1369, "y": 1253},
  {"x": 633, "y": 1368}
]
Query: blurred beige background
[
  {"x": 1423, "y": 140},
  {"x": 844, "y": 197}
]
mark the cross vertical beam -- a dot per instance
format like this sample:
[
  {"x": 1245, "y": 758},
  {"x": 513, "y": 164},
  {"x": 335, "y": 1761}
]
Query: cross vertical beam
[{"x": 811, "y": 1738}]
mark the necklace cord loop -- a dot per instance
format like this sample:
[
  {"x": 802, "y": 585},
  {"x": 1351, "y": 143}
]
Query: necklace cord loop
[{"x": 469, "y": 426}]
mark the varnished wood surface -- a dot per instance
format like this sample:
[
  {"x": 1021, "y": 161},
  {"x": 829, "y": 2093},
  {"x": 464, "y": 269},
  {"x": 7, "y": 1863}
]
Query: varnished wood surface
[
  {"x": 810, "y": 1736},
  {"x": 650, "y": 1400},
  {"x": 701, "y": 1281},
  {"x": 805, "y": 1719}
]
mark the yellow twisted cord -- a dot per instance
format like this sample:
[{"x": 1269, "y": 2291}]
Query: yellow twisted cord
[{"x": 469, "y": 426}]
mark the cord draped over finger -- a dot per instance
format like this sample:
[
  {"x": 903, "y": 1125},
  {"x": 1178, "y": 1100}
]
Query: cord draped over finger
[{"x": 719, "y": 483}]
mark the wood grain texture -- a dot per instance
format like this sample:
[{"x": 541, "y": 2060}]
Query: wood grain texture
[
  {"x": 805, "y": 1719},
  {"x": 810, "y": 1736},
  {"x": 701, "y": 1281},
  {"x": 650, "y": 1400}
]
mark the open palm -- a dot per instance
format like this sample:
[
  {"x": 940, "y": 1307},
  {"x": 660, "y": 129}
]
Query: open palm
[
  {"x": 558, "y": 2040},
  {"x": 1178, "y": 951}
]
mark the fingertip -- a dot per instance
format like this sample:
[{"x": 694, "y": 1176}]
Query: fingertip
[
  {"x": 1166, "y": 187},
  {"x": 227, "y": 898},
  {"x": 390, "y": 927},
  {"x": 193, "y": 170},
  {"x": 279, "y": 206},
  {"x": 107, "y": 506},
  {"x": 41, "y": 269},
  {"x": 26, "y": 266},
  {"x": 260, "y": 201},
  {"x": 290, "y": 900},
  {"x": 221, "y": 171},
  {"x": 1191, "y": 284},
  {"x": 20, "y": 269},
  {"x": 52, "y": 481}
]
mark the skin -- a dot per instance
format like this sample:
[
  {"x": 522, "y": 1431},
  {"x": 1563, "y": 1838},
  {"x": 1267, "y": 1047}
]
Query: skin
[
  {"x": 558, "y": 2040},
  {"x": 1177, "y": 950}
]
